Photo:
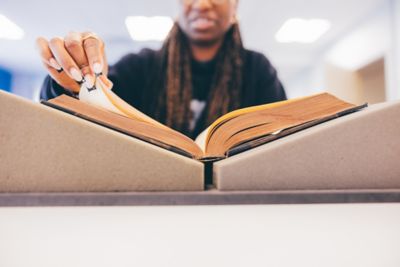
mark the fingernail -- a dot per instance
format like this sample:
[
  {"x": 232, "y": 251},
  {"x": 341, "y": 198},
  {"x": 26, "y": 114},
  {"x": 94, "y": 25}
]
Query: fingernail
[
  {"x": 54, "y": 64},
  {"x": 98, "y": 68},
  {"x": 77, "y": 75},
  {"x": 75, "y": 36},
  {"x": 89, "y": 81}
]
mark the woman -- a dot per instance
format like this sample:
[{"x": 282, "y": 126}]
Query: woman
[{"x": 201, "y": 72}]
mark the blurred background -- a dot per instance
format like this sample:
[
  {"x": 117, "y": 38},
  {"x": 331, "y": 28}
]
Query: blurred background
[{"x": 348, "y": 47}]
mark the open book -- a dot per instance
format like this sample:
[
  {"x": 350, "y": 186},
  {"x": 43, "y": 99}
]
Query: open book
[{"x": 232, "y": 133}]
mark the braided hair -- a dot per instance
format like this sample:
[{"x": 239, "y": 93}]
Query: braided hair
[{"x": 172, "y": 106}]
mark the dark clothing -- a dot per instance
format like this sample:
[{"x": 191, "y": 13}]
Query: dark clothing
[{"x": 132, "y": 77}]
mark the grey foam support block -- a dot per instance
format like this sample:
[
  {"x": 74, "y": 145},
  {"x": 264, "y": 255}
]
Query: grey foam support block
[
  {"x": 357, "y": 151},
  {"x": 46, "y": 150}
]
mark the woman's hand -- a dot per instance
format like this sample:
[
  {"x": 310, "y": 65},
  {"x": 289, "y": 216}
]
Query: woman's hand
[{"x": 74, "y": 59}]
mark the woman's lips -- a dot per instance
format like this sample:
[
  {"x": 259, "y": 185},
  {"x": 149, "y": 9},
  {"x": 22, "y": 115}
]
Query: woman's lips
[{"x": 202, "y": 24}]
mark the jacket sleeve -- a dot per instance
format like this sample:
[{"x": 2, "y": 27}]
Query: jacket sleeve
[
  {"x": 269, "y": 87},
  {"x": 128, "y": 77},
  {"x": 51, "y": 89}
]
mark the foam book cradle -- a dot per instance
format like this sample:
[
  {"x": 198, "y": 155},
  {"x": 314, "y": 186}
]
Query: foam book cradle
[{"x": 46, "y": 150}]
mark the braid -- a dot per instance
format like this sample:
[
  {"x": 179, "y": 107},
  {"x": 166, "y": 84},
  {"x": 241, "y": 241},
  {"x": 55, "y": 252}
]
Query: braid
[
  {"x": 226, "y": 88},
  {"x": 176, "y": 82}
]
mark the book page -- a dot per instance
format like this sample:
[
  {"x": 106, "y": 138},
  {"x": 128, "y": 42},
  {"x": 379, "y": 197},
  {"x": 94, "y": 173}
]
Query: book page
[
  {"x": 104, "y": 97},
  {"x": 272, "y": 120},
  {"x": 201, "y": 139},
  {"x": 238, "y": 112},
  {"x": 162, "y": 137},
  {"x": 98, "y": 98}
]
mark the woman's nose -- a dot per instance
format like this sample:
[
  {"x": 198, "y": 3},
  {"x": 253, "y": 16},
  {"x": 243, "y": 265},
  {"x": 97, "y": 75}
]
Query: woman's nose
[{"x": 202, "y": 4}]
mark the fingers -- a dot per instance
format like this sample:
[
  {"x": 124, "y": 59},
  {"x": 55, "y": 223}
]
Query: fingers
[
  {"x": 74, "y": 59},
  {"x": 73, "y": 43},
  {"x": 46, "y": 54},
  {"x": 94, "y": 49},
  {"x": 65, "y": 60},
  {"x": 53, "y": 68},
  {"x": 62, "y": 78}
]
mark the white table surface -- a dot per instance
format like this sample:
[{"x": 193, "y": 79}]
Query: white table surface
[{"x": 266, "y": 235}]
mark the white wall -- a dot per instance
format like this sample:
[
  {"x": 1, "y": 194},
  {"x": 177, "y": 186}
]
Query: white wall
[
  {"x": 366, "y": 43},
  {"x": 393, "y": 64},
  {"x": 392, "y": 60},
  {"x": 376, "y": 36},
  {"x": 306, "y": 82}
]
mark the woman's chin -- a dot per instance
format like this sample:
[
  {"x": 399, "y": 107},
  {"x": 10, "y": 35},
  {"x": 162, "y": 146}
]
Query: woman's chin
[{"x": 204, "y": 39}]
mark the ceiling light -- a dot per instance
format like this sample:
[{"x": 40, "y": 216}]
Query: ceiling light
[
  {"x": 297, "y": 30},
  {"x": 10, "y": 30},
  {"x": 148, "y": 28}
]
